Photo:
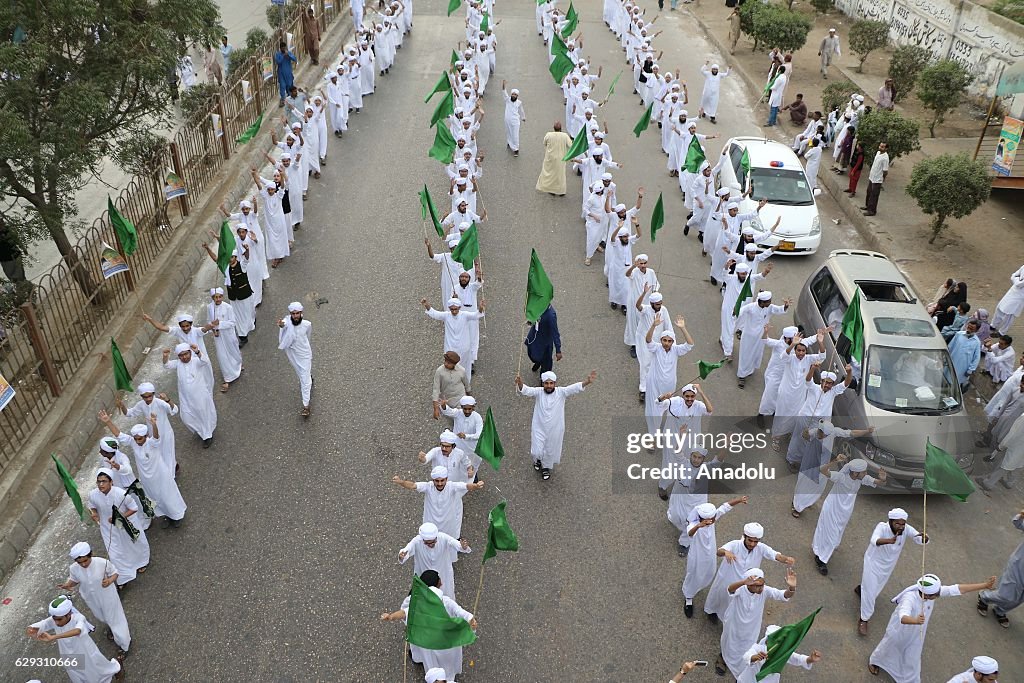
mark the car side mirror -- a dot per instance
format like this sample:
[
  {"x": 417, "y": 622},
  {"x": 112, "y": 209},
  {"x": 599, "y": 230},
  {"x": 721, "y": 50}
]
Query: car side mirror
[{"x": 817, "y": 192}]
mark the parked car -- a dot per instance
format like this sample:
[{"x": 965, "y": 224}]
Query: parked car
[
  {"x": 905, "y": 385},
  {"x": 776, "y": 174}
]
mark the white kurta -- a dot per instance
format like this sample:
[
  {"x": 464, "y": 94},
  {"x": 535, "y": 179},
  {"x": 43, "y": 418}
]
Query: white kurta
[
  {"x": 637, "y": 280},
  {"x": 644, "y": 320},
  {"x": 458, "y": 334},
  {"x": 514, "y": 115},
  {"x": 772, "y": 375},
  {"x": 879, "y": 562},
  {"x": 163, "y": 412},
  {"x": 1000, "y": 363},
  {"x": 813, "y": 157},
  {"x": 294, "y": 340},
  {"x": 105, "y": 603},
  {"x": 451, "y": 659},
  {"x": 731, "y": 572},
  {"x": 749, "y": 674},
  {"x": 547, "y": 429},
  {"x": 619, "y": 258},
  {"x": 899, "y": 652},
  {"x": 92, "y": 667},
  {"x": 440, "y": 558},
  {"x": 595, "y": 219},
  {"x": 662, "y": 378},
  {"x": 450, "y": 269},
  {"x": 457, "y": 462},
  {"x": 1012, "y": 303},
  {"x": 701, "y": 562},
  {"x": 836, "y": 511},
  {"x": 277, "y": 230},
  {"x": 468, "y": 296},
  {"x": 195, "y": 395},
  {"x": 127, "y": 556},
  {"x": 733, "y": 288},
  {"x": 195, "y": 336},
  {"x": 741, "y": 624},
  {"x": 751, "y": 322},
  {"x": 225, "y": 339},
  {"x": 472, "y": 427},
  {"x": 156, "y": 478},
  {"x": 688, "y": 492},
  {"x": 124, "y": 476},
  {"x": 443, "y": 508},
  {"x": 792, "y": 391},
  {"x": 712, "y": 89}
]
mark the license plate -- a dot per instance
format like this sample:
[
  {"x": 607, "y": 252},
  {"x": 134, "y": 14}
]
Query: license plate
[
  {"x": 786, "y": 246},
  {"x": 917, "y": 484}
]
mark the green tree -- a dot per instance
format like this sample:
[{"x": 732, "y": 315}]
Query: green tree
[
  {"x": 904, "y": 66},
  {"x": 256, "y": 40},
  {"x": 903, "y": 135},
  {"x": 941, "y": 88},
  {"x": 866, "y": 36},
  {"x": 837, "y": 94},
  {"x": 87, "y": 77},
  {"x": 778, "y": 27},
  {"x": 823, "y": 6},
  {"x": 949, "y": 185},
  {"x": 747, "y": 12},
  {"x": 1011, "y": 9}
]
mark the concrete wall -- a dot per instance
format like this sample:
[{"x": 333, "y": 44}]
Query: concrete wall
[{"x": 983, "y": 41}]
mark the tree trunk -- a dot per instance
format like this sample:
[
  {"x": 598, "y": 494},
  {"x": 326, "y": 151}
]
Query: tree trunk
[
  {"x": 938, "y": 224},
  {"x": 53, "y": 219}
]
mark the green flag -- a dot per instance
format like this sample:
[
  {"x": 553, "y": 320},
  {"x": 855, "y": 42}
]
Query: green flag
[
  {"x": 488, "y": 446},
  {"x": 485, "y": 23},
  {"x": 250, "y": 132},
  {"x": 70, "y": 486},
  {"x": 745, "y": 161},
  {"x": 644, "y": 121},
  {"x": 745, "y": 293},
  {"x": 783, "y": 643},
  {"x": 225, "y": 247},
  {"x": 427, "y": 209},
  {"x": 539, "y": 290},
  {"x": 560, "y": 68},
  {"x": 611, "y": 88},
  {"x": 657, "y": 217},
  {"x": 428, "y": 624},
  {"x": 468, "y": 248},
  {"x": 771, "y": 82},
  {"x": 122, "y": 379},
  {"x": 558, "y": 46},
  {"x": 943, "y": 475},
  {"x": 572, "y": 21},
  {"x": 694, "y": 155},
  {"x": 853, "y": 327},
  {"x": 444, "y": 109},
  {"x": 444, "y": 145},
  {"x": 707, "y": 368},
  {"x": 499, "y": 535},
  {"x": 125, "y": 231},
  {"x": 442, "y": 85},
  {"x": 578, "y": 147},
  {"x": 455, "y": 58},
  {"x": 453, "y": 5},
  {"x": 119, "y": 519}
]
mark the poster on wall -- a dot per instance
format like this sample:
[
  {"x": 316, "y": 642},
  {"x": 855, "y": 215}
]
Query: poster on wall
[
  {"x": 6, "y": 392},
  {"x": 267, "y": 67},
  {"x": 174, "y": 186},
  {"x": 1006, "y": 148},
  {"x": 218, "y": 126},
  {"x": 246, "y": 92},
  {"x": 111, "y": 262}
]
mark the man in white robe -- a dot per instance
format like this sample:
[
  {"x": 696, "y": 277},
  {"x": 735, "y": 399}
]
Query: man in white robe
[
  {"x": 734, "y": 287},
  {"x": 662, "y": 374},
  {"x": 742, "y": 620},
  {"x": 758, "y": 653},
  {"x": 186, "y": 332},
  {"x": 880, "y": 558},
  {"x": 1012, "y": 303},
  {"x": 712, "y": 89},
  {"x": 70, "y": 630},
  {"x": 689, "y": 490},
  {"x": 793, "y": 386},
  {"x": 115, "y": 460},
  {"x": 221, "y": 323},
  {"x": 738, "y": 556},
  {"x": 838, "y": 508},
  {"x": 547, "y": 429},
  {"x": 646, "y": 312},
  {"x": 468, "y": 425},
  {"x": 595, "y": 218},
  {"x": 131, "y": 557},
  {"x": 278, "y": 248},
  {"x": 454, "y": 459},
  {"x": 752, "y": 323},
  {"x": 450, "y": 268},
  {"x": 773, "y": 373},
  {"x": 195, "y": 393},
  {"x": 983, "y": 669},
  {"x": 294, "y": 338},
  {"x": 642, "y": 281},
  {"x": 442, "y": 499},
  {"x": 681, "y": 414},
  {"x": 514, "y": 116},
  {"x": 701, "y": 562},
  {"x": 96, "y": 580},
  {"x": 458, "y": 335},
  {"x": 337, "y": 101},
  {"x": 999, "y": 357},
  {"x": 433, "y": 549},
  {"x": 164, "y": 409}
]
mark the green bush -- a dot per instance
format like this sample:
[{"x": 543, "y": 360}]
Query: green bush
[
  {"x": 1011, "y": 9},
  {"x": 866, "y": 36},
  {"x": 941, "y": 88},
  {"x": 823, "y": 6},
  {"x": 837, "y": 94},
  {"x": 903, "y": 135},
  {"x": 198, "y": 98},
  {"x": 747, "y": 11},
  {"x": 949, "y": 185},
  {"x": 776, "y": 26},
  {"x": 905, "y": 65}
]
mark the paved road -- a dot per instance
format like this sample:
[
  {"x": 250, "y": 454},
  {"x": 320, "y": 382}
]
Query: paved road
[{"x": 289, "y": 552}]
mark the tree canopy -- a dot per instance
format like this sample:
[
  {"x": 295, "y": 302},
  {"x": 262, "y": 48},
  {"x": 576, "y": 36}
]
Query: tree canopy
[{"x": 949, "y": 185}]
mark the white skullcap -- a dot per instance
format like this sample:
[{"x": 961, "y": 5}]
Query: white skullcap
[
  {"x": 140, "y": 430},
  {"x": 146, "y": 388},
  {"x": 548, "y": 377},
  {"x": 217, "y": 290},
  {"x": 271, "y": 185},
  {"x": 898, "y": 513},
  {"x": 750, "y": 246},
  {"x": 108, "y": 445},
  {"x": 723, "y": 192},
  {"x": 428, "y": 531},
  {"x": 790, "y": 332},
  {"x": 514, "y": 91},
  {"x": 826, "y": 427},
  {"x": 606, "y": 176},
  {"x": 439, "y": 472},
  {"x": 858, "y": 465},
  {"x": 459, "y": 63},
  {"x": 714, "y": 66},
  {"x": 106, "y": 471},
  {"x": 287, "y": 156},
  {"x": 770, "y": 629},
  {"x": 459, "y": 110},
  {"x": 596, "y": 151},
  {"x": 742, "y": 268},
  {"x": 598, "y": 133},
  {"x": 929, "y": 584},
  {"x": 453, "y": 241},
  {"x": 434, "y": 675},
  {"x": 985, "y": 665},
  {"x": 461, "y": 181},
  {"x": 61, "y": 607},
  {"x": 732, "y": 205},
  {"x": 454, "y": 302},
  {"x": 668, "y": 334},
  {"x": 656, "y": 297},
  {"x": 764, "y": 296},
  {"x": 701, "y": 451},
  {"x": 245, "y": 204},
  {"x": 620, "y": 207},
  {"x": 447, "y": 436},
  {"x": 295, "y": 307},
  {"x": 296, "y": 126},
  {"x": 309, "y": 107},
  {"x": 642, "y": 257},
  {"x": 831, "y": 30},
  {"x": 597, "y": 186},
  {"x": 753, "y": 529},
  {"x": 463, "y": 167},
  {"x": 747, "y": 231},
  {"x": 688, "y": 387},
  {"x": 467, "y": 401},
  {"x": 829, "y": 375},
  {"x": 685, "y": 114},
  {"x": 706, "y": 510},
  {"x": 754, "y": 573},
  {"x": 184, "y": 318},
  {"x": 80, "y": 549},
  {"x": 181, "y": 348}
]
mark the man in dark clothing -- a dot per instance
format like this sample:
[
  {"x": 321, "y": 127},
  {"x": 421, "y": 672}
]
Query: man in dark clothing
[{"x": 541, "y": 338}]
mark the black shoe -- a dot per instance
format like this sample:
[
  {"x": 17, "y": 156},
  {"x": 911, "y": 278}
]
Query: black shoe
[
  {"x": 686, "y": 228},
  {"x": 857, "y": 590},
  {"x": 742, "y": 383},
  {"x": 700, "y": 236},
  {"x": 643, "y": 396},
  {"x": 990, "y": 457},
  {"x": 822, "y": 567},
  {"x": 688, "y": 611},
  {"x": 613, "y": 305},
  {"x": 713, "y": 618},
  {"x": 623, "y": 310},
  {"x": 536, "y": 465},
  {"x": 683, "y": 550},
  {"x": 713, "y": 120},
  {"x": 632, "y": 352},
  {"x": 545, "y": 473},
  {"x": 713, "y": 280},
  {"x": 207, "y": 442},
  {"x": 662, "y": 493},
  {"x": 242, "y": 341},
  {"x": 760, "y": 421},
  {"x": 535, "y": 367}
]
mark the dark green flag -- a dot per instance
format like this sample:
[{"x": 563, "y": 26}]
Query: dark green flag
[
  {"x": 455, "y": 58},
  {"x": 706, "y": 369},
  {"x": 70, "y": 486},
  {"x": 560, "y": 68},
  {"x": 572, "y": 21},
  {"x": 853, "y": 327},
  {"x": 488, "y": 446},
  {"x": 444, "y": 109},
  {"x": 745, "y": 293},
  {"x": 539, "y": 290},
  {"x": 226, "y": 246},
  {"x": 427, "y": 622},
  {"x": 611, "y": 88},
  {"x": 578, "y": 147},
  {"x": 250, "y": 132},
  {"x": 657, "y": 217},
  {"x": 468, "y": 248},
  {"x": 499, "y": 534},
  {"x": 126, "y": 233},
  {"x": 120, "y": 520},
  {"x": 644, "y": 121},
  {"x": 558, "y": 46},
  {"x": 453, "y": 5},
  {"x": 485, "y": 23},
  {"x": 443, "y": 85},
  {"x": 943, "y": 475},
  {"x": 122, "y": 379},
  {"x": 694, "y": 155},
  {"x": 745, "y": 161},
  {"x": 444, "y": 144},
  {"x": 782, "y": 644},
  {"x": 427, "y": 209}
]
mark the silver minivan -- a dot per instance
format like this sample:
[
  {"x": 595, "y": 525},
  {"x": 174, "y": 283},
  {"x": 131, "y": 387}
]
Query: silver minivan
[{"x": 905, "y": 385}]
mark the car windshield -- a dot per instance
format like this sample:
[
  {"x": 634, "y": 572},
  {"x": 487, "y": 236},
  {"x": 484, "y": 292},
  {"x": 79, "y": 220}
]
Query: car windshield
[
  {"x": 914, "y": 381},
  {"x": 781, "y": 186}
]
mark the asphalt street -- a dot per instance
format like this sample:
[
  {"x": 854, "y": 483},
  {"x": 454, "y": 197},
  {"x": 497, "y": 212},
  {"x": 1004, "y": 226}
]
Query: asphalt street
[{"x": 289, "y": 550}]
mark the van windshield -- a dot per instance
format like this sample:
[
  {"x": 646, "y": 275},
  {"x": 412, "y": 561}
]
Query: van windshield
[
  {"x": 913, "y": 381},
  {"x": 780, "y": 186}
]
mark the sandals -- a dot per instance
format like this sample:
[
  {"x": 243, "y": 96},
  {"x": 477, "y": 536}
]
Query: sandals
[
  {"x": 982, "y": 607},
  {"x": 795, "y": 513},
  {"x": 1003, "y": 620},
  {"x": 873, "y": 670},
  {"x": 545, "y": 473},
  {"x": 224, "y": 387}
]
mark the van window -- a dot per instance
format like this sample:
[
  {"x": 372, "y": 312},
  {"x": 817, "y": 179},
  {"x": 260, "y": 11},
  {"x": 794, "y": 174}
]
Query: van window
[
  {"x": 829, "y": 302},
  {"x": 885, "y": 291},
  {"x": 735, "y": 155}
]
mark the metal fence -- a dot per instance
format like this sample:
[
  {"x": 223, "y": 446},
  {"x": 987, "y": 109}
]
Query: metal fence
[{"x": 45, "y": 340}]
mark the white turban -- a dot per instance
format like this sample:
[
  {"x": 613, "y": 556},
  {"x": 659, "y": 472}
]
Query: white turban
[
  {"x": 184, "y": 318},
  {"x": 596, "y": 151},
  {"x": 858, "y": 465},
  {"x": 514, "y": 91},
  {"x": 668, "y": 334},
  {"x": 642, "y": 257},
  {"x": 929, "y": 584},
  {"x": 146, "y": 388},
  {"x": 742, "y": 268},
  {"x": 463, "y": 167},
  {"x": 723, "y": 192},
  {"x": 140, "y": 430},
  {"x": 598, "y": 186},
  {"x": 296, "y": 126},
  {"x": 454, "y": 302},
  {"x": 108, "y": 445},
  {"x": 217, "y": 290},
  {"x": 434, "y": 675},
  {"x": 548, "y": 377},
  {"x": 109, "y": 473},
  {"x": 985, "y": 665},
  {"x": 61, "y": 607},
  {"x": 790, "y": 332},
  {"x": 295, "y": 307},
  {"x": 747, "y": 231},
  {"x": 181, "y": 348},
  {"x": 764, "y": 296},
  {"x": 753, "y": 573},
  {"x": 428, "y": 531},
  {"x": 467, "y": 401},
  {"x": 599, "y": 134},
  {"x": 688, "y": 387},
  {"x": 898, "y": 513},
  {"x": 461, "y": 181},
  {"x": 439, "y": 472},
  {"x": 245, "y": 204},
  {"x": 80, "y": 549},
  {"x": 732, "y": 205},
  {"x": 287, "y": 156},
  {"x": 656, "y": 297},
  {"x": 829, "y": 375},
  {"x": 753, "y": 529},
  {"x": 271, "y": 185},
  {"x": 606, "y": 176},
  {"x": 826, "y": 427},
  {"x": 714, "y": 66},
  {"x": 620, "y": 207},
  {"x": 706, "y": 510},
  {"x": 447, "y": 436}
]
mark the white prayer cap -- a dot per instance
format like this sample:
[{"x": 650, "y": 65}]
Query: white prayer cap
[
  {"x": 428, "y": 531},
  {"x": 108, "y": 445},
  {"x": 706, "y": 510},
  {"x": 140, "y": 430},
  {"x": 434, "y": 675},
  {"x": 287, "y": 156},
  {"x": 61, "y": 607},
  {"x": 467, "y": 401},
  {"x": 295, "y": 307},
  {"x": 747, "y": 231},
  {"x": 271, "y": 185},
  {"x": 296, "y": 126},
  {"x": 685, "y": 114},
  {"x": 461, "y": 181},
  {"x": 598, "y": 186},
  {"x": 753, "y": 529},
  {"x": 831, "y": 30},
  {"x": 750, "y": 246},
  {"x": 898, "y": 513},
  {"x": 704, "y": 166},
  {"x": 985, "y": 665},
  {"x": 447, "y": 436},
  {"x": 439, "y": 472},
  {"x": 753, "y": 572},
  {"x": 107, "y": 472},
  {"x": 606, "y": 176},
  {"x": 459, "y": 63},
  {"x": 620, "y": 207},
  {"x": 790, "y": 332},
  {"x": 184, "y": 318},
  {"x": 723, "y": 192},
  {"x": 688, "y": 387},
  {"x": 656, "y": 297},
  {"x": 770, "y": 629},
  {"x": 742, "y": 268},
  {"x": 732, "y": 205},
  {"x": 464, "y": 226},
  {"x": 585, "y": 91},
  {"x": 217, "y": 290},
  {"x": 597, "y": 133},
  {"x": 80, "y": 549},
  {"x": 333, "y": 74},
  {"x": 459, "y": 110},
  {"x": 829, "y": 375},
  {"x": 548, "y": 377},
  {"x": 714, "y": 66},
  {"x": 147, "y": 388},
  {"x": 858, "y": 465},
  {"x": 595, "y": 151},
  {"x": 453, "y": 241},
  {"x": 701, "y": 451},
  {"x": 655, "y": 66},
  {"x": 245, "y": 204},
  {"x": 929, "y": 584},
  {"x": 454, "y": 302},
  {"x": 764, "y": 296},
  {"x": 514, "y": 91},
  {"x": 642, "y": 257},
  {"x": 463, "y": 167},
  {"x": 181, "y": 348},
  {"x": 668, "y": 334},
  {"x": 826, "y": 427}
]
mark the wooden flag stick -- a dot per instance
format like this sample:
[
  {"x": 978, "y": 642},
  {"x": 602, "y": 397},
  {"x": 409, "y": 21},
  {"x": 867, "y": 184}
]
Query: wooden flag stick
[
  {"x": 405, "y": 661},
  {"x": 924, "y": 530},
  {"x": 522, "y": 346},
  {"x": 479, "y": 590}
]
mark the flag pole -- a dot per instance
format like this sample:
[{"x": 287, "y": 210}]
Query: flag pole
[
  {"x": 405, "y": 660},
  {"x": 924, "y": 530},
  {"x": 479, "y": 589}
]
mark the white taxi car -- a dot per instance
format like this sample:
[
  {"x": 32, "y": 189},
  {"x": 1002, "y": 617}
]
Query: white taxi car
[{"x": 776, "y": 174}]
